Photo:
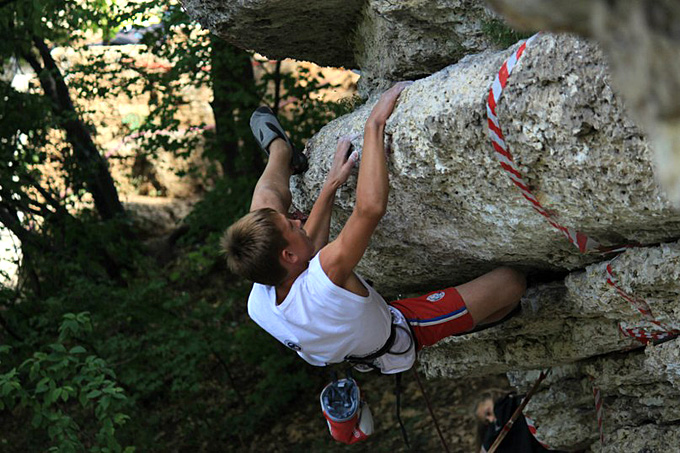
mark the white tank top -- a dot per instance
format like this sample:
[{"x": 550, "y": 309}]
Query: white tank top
[{"x": 325, "y": 323}]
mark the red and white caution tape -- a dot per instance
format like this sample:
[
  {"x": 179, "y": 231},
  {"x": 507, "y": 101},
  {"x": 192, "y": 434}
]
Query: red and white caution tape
[
  {"x": 532, "y": 429},
  {"x": 582, "y": 241},
  {"x": 651, "y": 329},
  {"x": 599, "y": 412},
  {"x": 639, "y": 304}
]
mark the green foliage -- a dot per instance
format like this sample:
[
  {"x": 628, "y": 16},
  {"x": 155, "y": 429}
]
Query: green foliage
[
  {"x": 501, "y": 34},
  {"x": 61, "y": 388},
  {"x": 103, "y": 347}
]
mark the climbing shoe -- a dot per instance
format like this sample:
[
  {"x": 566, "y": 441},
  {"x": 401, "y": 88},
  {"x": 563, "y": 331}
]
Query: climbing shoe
[{"x": 266, "y": 128}]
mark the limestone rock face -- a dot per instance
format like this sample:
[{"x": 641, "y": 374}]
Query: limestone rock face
[
  {"x": 562, "y": 323},
  {"x": 454, "y": 213},
  {"x": 317, "y": 31},
  {"x": 411, "y": 39},
  {"x": 388, "y": 40},
  {"x": 642, "y": 41},
  {"x": 639, "y": 408}
]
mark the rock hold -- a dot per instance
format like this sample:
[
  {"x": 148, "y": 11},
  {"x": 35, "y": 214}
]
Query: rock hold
[{"x": 388, "y": 40}]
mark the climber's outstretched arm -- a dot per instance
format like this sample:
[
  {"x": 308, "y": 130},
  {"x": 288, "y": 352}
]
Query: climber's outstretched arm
[{"x": 339, "y": 258}]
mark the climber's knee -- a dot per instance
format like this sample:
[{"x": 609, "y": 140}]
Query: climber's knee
[
  {"x": 514, "y": 284},
  {"x": 494, "y": 291}
]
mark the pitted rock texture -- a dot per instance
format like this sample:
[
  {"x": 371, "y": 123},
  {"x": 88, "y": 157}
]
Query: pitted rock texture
[
  {"x": 411, "y": 39},
  {"x": 635, "y": 401},
  {"x": 387, "y": 40},
  {"x": 453, "y": 212},
  {"x": 642, "y": 41}
]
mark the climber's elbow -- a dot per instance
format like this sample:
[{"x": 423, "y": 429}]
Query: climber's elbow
[{"x": 371, "y": 210}]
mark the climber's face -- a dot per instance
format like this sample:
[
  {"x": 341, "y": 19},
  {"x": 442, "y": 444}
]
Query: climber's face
[
  {"x": 300, "y": 248},
  {"x": 484, "y": 411}
]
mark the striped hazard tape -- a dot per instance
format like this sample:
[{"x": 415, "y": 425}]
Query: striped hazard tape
[
  {"x": 580, "y": 240},
  {"x": 599, "y": 412},
  {"x": 650, "y": 329},
  {"x": 583, "y": 242},
  {"x": 532, "y": 429}
]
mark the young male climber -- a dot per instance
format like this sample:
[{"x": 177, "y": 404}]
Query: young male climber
[{"x": 306, "y": 293}]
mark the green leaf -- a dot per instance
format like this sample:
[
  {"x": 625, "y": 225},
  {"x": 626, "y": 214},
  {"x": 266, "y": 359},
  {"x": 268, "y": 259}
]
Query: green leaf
[
  {"x": 120, "y": 419},
  {"x": 6, "y": 388},
  {"x": 77, "y": 350},
  {"x": 105, "y": 402},
  {"x": 94, "y": 394},
  {"x": 37, "y": 419},
  {"x": 58, "y": 347},
  {"x": 42, "y": 385}
]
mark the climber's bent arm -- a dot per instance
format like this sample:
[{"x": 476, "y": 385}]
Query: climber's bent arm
[
  {"x": 339, "y": 258},
  {"x": 318, "y": 223}
]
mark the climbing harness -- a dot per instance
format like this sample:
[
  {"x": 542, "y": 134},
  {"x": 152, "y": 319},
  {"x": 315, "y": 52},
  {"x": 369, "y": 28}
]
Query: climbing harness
[{"x": 367, "y": 362}]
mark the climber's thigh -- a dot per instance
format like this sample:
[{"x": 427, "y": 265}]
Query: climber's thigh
[
  {"x": 435, "y": 315},
  {"x": 494, "y": 291}
]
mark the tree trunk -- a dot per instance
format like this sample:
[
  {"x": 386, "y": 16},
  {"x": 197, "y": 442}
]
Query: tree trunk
[
  {"x": 234, "y": 99},
  {"x": 95, "y": 171}
]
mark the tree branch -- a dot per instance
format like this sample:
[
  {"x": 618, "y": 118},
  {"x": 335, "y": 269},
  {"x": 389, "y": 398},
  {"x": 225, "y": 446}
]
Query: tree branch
[{"x": 12, "y": 223}]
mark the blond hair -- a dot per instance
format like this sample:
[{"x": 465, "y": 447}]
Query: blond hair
[{"x": 253, "y": 245}]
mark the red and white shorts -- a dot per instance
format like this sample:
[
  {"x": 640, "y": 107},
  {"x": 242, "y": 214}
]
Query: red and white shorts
[{"x": 435, "y": 315}]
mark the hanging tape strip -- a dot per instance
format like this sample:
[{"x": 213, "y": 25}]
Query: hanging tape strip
[
  {"x": 502, "y": 151},
  {"x": 599, "y": 412},
  {"x": 578, "y": 239}
]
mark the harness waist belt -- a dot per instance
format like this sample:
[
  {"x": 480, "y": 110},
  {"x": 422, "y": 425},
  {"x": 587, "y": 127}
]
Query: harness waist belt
[{"x": 383, "y": 350}]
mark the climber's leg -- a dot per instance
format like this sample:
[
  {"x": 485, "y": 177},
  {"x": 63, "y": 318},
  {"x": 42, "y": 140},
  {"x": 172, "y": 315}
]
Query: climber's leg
[
  {"x": 492, "y": 296},
  {"x": 272, "y": 189},
  {"x": 455, "y": 311}
]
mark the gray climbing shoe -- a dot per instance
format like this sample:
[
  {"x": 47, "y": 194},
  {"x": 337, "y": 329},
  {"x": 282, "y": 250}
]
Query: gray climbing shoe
[{"x": 266, "y": 128}]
